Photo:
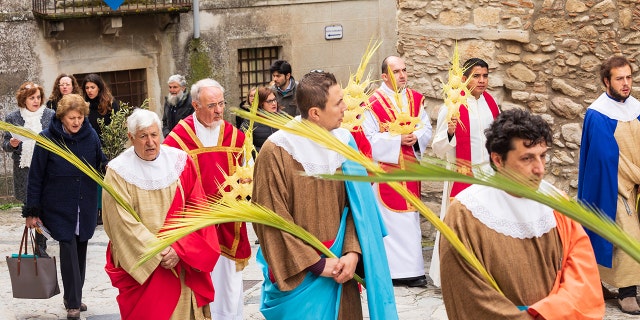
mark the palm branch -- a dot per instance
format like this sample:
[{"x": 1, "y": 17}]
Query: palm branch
[
  {"x": 64, "y": 152},
  {"x": 323, "y": 137},
  {"x": 455, "y": 91},
  {"x": 217, "y": 211},
  {"x": 357, "y": 92},
  {"x": 431, "y": 169}
]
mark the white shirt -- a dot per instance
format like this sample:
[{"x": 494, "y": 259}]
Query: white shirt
[
  {"x": 208, "y": 136},
  {"x": 480, "y": 118}
]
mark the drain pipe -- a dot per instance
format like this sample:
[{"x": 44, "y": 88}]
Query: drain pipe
[{"x": 196, "y": 19}]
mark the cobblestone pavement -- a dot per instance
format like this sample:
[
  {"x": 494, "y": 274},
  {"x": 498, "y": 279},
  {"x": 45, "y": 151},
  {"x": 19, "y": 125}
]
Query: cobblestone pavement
[{"x": 99, "y": 295}]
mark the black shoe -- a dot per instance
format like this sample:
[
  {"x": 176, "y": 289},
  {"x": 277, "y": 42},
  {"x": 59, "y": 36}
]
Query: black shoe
[
  {"x": 410, "y": 282},
  {"x": 83, "y": 307},
  {"x": 73, "y": 314}
]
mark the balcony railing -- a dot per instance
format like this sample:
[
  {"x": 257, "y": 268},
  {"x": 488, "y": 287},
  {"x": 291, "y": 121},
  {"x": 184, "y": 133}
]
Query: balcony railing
[{"x": 70, "y": 9}]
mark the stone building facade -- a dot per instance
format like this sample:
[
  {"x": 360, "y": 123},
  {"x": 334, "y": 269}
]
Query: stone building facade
[
  {"x": 146, "y": 46},
  {"x": 544, "y": 56},
  {"x": 157, "y": 45}
]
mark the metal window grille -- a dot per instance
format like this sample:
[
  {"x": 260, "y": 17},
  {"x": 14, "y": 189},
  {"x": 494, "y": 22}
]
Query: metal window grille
[
  {"x": 253, "y": 66},
  {"x": 128, "y": 86}
]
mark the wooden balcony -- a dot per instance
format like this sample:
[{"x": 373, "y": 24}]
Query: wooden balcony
[{"x": 74, "y": 9}]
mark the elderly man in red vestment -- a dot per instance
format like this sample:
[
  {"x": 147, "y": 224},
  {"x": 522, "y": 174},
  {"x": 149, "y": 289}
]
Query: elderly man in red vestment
[
  {"x": 215, "y": 146},
  {"x": 159, "y": 182}
]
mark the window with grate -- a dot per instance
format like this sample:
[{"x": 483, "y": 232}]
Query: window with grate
[
  {"x": 129, "y": 86},
  {"x": 253, "y": 66}
]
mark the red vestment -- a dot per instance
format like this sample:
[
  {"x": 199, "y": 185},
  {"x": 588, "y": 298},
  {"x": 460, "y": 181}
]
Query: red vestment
[
  {"x": 384, "y": 111},
  {"x": 212, "y": 164},
  {"x": 463, "y": 145},
  {"x": 361, "y": 141}
]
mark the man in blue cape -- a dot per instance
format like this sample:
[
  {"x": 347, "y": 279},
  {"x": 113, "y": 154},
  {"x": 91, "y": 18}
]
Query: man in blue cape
[{"x": 609, "y": 175}]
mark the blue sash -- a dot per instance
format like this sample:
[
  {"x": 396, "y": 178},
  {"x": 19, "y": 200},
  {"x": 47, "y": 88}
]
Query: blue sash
[
  {"x": 309, "y": 300},
  {"x": 371, "y": 229}
]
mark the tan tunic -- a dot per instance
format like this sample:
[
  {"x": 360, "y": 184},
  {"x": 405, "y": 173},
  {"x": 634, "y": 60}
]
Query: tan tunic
[
  {"x": 130, "y": 239},
  {"x": 624, "y": 271},
  {"x": 312, "y": 203},
  {"x": 525, "y": 269}
]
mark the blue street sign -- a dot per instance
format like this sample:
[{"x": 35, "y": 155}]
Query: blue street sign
[{"x": 114, "y": 4}]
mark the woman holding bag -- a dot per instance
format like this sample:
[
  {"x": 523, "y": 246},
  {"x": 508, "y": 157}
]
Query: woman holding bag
[{"x": 63, "y": 198}]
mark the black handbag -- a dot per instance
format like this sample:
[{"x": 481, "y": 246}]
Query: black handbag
[{"x": 32, "y": 276}]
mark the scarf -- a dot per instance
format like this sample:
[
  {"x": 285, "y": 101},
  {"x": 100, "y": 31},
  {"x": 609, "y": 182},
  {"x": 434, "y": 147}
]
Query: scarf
[{"x": 31, "y": 122}]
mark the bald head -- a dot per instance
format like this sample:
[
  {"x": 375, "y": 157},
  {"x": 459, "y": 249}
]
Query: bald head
[{"x": 399, "y": 70}]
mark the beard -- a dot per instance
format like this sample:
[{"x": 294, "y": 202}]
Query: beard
[
  {"x": 618, "y": 96},
  {"x": 173, "y": 99}
]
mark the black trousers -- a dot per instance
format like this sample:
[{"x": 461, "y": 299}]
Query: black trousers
[{"x": 73, "y": 264}]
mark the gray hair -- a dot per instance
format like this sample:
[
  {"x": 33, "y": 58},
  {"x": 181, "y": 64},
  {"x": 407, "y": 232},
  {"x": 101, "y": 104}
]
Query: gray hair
[
  {"x": 179, "y": 79},
  {"x": 197, "y": 87},
  {"x": 141, "y": 119}
]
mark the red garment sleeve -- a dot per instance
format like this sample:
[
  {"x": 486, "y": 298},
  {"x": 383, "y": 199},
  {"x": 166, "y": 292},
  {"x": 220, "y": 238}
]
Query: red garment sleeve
[{"x": 198, "y": 251}]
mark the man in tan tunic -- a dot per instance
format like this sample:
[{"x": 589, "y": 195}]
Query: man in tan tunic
[
  {"x": 299, "y": 282},
  {"x": 609, "y": 175},
  {"x": 541, "y": 260},
  {"x": 159, "y": 182}
]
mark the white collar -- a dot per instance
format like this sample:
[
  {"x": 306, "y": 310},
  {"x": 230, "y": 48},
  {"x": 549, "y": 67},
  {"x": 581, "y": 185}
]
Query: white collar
[
  {"x": 315, "y": 159},
  {"x": 621, "y": 111},
  {"x": 389, "y": 92},
  {"x": 506, "y": 214},
  {"x": 150, "y": 175},
  {"x": 208, "y": 136},
  {"x": 391, "y": 95}
]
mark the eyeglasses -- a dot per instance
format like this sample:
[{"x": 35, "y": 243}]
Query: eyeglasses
[
  {"x": 212, "y": 105},
  {"x": 64, "y": 85},
  {"x": 271, "y": 101}
]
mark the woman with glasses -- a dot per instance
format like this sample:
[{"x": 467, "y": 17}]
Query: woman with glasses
[
  {"x": 64, "y": 84},
  {"x": 267, "y": 102}
]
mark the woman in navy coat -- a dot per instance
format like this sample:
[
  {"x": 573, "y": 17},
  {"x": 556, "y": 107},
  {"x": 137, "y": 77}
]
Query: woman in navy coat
[{"x": 63, "y": 198}]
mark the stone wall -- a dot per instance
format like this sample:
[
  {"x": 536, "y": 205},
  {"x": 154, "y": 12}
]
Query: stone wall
[
  {"x": 162, "y": 44},
  {"x": 544, "y": 56}
]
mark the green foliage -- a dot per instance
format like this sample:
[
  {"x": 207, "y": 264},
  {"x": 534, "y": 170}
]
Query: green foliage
[
  {"x": 199, "y": 63},
  {"x": 7, "y": 206},
  {"x": 114, "y": 135}
]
